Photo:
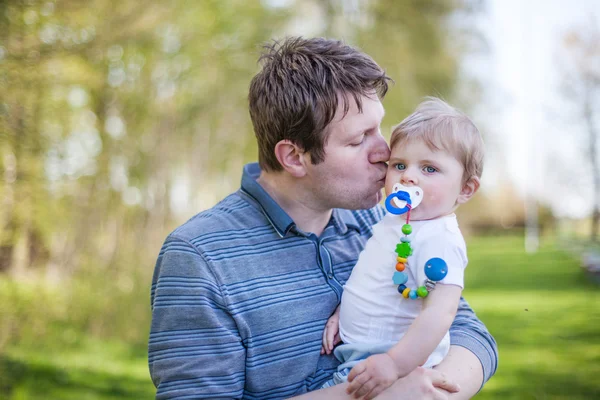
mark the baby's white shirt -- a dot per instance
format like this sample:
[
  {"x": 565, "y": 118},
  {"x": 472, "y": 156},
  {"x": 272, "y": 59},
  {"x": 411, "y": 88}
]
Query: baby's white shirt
[{"x": 372, "y": 310}]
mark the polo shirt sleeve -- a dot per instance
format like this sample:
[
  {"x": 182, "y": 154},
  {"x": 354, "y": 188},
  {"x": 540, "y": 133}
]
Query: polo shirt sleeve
[
  {"x": 195, "y": 349},
  {"x": 469, "y": 332}
]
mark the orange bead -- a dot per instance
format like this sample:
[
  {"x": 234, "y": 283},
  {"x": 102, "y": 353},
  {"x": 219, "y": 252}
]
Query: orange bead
[
  {"x": 406, "y": 293},
  {"x": 400, "y": 267},
  {"x": 401, "y": 260}
]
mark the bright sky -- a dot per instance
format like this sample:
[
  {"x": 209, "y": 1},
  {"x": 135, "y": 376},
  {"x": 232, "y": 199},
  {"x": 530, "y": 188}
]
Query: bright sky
[{"x": 522, "y": 107}]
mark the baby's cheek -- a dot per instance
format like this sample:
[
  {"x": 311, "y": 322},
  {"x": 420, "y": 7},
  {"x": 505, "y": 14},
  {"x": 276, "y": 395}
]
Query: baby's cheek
[
  {"x": 431, "y": 198},
  {"x": 434, "y": 200}
]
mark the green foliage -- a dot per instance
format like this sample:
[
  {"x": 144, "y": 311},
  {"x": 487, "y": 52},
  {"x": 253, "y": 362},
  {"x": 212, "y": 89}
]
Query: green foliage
[{"x": 103, "y": 104}]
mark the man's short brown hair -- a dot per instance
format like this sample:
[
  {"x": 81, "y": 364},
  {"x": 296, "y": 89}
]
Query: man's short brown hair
[{"x": 295, "y": 95}]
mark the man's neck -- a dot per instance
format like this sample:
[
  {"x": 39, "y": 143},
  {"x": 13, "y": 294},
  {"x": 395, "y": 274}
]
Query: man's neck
[{"x": 296, "y": 201}]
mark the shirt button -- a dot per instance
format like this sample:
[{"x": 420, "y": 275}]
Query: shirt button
[{"x": 330, "y": 276}]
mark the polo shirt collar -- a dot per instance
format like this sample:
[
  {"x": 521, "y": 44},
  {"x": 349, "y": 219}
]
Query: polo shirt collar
[
  {"x": 344, "y": 220},
  {"x": 274, "y": 213},
  {"x": 281, "y": 221}
]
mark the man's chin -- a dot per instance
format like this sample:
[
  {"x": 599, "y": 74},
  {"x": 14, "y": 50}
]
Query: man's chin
[{"x": 375, "y": 199}]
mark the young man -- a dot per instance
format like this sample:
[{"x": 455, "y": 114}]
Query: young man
[{"x": 241, "y": 292}]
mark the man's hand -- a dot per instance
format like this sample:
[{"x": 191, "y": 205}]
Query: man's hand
[
  {"x": 331, "y": 334},
  {"x": 372, "y": 376},
  {"x": 421, "y": 383}
]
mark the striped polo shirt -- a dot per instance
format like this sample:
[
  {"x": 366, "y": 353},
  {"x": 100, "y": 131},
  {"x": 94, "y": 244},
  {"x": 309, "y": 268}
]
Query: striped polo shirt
[{"x": 240, "y": 297}]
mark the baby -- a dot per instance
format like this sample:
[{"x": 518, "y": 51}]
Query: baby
[{"x": 403, "y": 293}]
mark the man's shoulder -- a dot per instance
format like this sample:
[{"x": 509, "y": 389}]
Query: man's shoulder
[
  {"x": 364, "y": 219},
  {"x": 233, "y": 213}
]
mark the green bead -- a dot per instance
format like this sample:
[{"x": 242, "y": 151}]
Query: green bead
[
  {"x": 406, "y": 229},
  {"x": 403, "y": 249},
  {"x": 422, "y": 291}
]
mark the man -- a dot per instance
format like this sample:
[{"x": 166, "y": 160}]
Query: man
[{"x": 241, "y": 292}]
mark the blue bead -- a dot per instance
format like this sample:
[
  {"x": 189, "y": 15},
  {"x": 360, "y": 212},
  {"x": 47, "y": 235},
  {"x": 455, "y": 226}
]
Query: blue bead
[
  {"x": 436, "y": 269},
  {"x": 405, "y": 239},
  {"x": 413, "y": 294},
  {"x": 401, "y": 288},
  {"x": 399, "y": 278}
]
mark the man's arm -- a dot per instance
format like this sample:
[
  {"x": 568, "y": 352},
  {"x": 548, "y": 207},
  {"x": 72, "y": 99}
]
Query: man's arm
[
  {"x": 472, "y": 360},
  {"x": 194, "y": 348},
  {"x": 473, "y": 356},
  {"x": 421, "y": 383}
]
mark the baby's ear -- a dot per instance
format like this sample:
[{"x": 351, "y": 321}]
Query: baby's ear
[{"x": 469, "y": 188}]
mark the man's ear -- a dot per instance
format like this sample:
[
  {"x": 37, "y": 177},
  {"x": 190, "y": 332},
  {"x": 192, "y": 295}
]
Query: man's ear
[
  {"x": 292, "y": 158},
  {"x": 469, "y": 188}
]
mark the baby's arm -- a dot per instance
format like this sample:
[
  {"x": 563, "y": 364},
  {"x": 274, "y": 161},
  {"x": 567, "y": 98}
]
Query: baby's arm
[
  {"x": 378, "y": 372},
  {"x": 331, "y": 334}
]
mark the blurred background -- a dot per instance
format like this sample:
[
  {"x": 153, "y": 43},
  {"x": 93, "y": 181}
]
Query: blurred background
[{"x": 119, "y": 120}]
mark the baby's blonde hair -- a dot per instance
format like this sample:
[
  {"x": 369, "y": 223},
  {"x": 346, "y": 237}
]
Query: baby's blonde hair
[{"x": 442, "y": 127}]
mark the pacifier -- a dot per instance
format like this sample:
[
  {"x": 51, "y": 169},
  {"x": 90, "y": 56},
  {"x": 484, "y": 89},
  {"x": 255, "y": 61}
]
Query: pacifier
[{"x": 403, "y": 198}]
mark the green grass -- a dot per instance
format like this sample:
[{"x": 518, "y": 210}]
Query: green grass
[
  {"x": 545, "y": 317},
  {"x": 91, "y": 370},
  {"x": 541, "y": 309}
]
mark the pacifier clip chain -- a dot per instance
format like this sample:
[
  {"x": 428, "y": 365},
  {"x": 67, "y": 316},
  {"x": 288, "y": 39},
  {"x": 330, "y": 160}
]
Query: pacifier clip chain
[{"x": 435, "y": 268}]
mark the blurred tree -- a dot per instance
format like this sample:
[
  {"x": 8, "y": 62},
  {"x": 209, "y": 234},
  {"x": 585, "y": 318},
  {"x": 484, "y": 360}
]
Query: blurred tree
[
  {"x": 116, "y": 113},
  {"x": 419, "y": 42},
  {"x": 101, "y": 104},
  {"x": 581, "y": 85},
  {"x": 121, "y": 118}
]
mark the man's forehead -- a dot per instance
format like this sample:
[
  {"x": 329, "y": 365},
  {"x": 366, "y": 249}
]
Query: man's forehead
[{"x": 347, "y": 109}]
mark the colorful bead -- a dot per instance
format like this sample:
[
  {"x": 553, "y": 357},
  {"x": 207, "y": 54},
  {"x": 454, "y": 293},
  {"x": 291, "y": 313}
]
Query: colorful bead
[
  {"x": 436, "y": 269},
  {"x": 403, "y": 249},
  {"x": 406, "y": 229},
  {"x": 399, "y": 278}
]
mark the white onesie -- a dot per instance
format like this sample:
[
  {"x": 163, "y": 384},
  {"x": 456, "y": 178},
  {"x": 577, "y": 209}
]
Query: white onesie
[{"x": 372, "y": 310}]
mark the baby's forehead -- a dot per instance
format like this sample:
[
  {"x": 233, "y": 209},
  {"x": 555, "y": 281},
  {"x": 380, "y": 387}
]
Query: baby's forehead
[
  {"x": 434, "y": 146},
  {"x": 399, "y": 149}
]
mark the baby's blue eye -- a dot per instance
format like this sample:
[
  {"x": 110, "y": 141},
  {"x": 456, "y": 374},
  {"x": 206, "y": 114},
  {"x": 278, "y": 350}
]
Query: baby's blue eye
[
  {"x": 430, "y": 170},
  {"x": 400, "y": 167}
]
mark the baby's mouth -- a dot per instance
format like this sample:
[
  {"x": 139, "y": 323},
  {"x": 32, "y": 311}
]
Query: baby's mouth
[{"x": 403, "y": 198}]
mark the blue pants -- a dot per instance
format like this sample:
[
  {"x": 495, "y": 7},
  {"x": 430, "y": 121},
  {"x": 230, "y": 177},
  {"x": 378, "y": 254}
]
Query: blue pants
[{"x": 351, "y": 354}]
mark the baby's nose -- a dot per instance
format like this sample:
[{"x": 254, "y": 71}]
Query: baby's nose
[{"x": 409, "y": 177}]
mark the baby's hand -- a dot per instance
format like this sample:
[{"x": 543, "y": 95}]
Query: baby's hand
[
  {"x": 331, "y": 334},
  {"x": 372, "y": 376}
]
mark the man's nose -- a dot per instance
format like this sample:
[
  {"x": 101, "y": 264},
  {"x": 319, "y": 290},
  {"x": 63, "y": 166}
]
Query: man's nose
[{"x": 380, "y": 152}]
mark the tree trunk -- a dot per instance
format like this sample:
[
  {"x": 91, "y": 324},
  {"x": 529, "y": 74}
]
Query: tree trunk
[{"x": 593, "y": 154}]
